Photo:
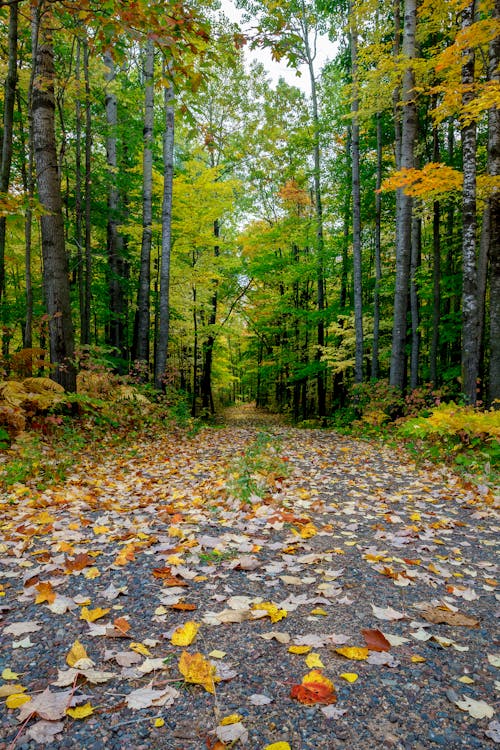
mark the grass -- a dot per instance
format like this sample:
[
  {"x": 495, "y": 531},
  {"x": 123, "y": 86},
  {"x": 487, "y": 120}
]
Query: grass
[{"x": 254, "y": 473}]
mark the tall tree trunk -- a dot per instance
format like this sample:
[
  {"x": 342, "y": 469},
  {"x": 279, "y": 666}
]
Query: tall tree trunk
[
  {"x": 404, "y": 216},
  {"x": 166, "y": 219},
  {"x": 356, "y": 210},
  {"x": 378, "y": 264},
  {"x": 344, "y": 277},
  {"x": 55, "y": 261},
  {"x": 470, "y": 316},
  {"x": 6, "y": 160},
  {"x": 80, "y": 271},
  {"x": 436, "y": 272},
  {"x": 141, "y": 344},
  {"x": 414, "y": 303},
  {"x": 207, "y": 400},
  {"x": 115, "y": 244},
  {"x": 85, "y": 334},
  {"x": 494, "y": 211}
]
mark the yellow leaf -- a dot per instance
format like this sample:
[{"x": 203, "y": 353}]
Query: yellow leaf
[
  {"x": 185, "y": 634},
  {"x": 349, "y": 676},
  {"x": 353, "y": 652},
  {"x": 215, "y": 654},
  {"x": 415, "y": 516},
  {"x": 299, "y": 649},
  {"x": 417, "y": 659},
  {"x": 92, "y": 573},
  {"x": 466, "y": 680},
  {"x": 159, "y": 722},
  {"x": 319, "y": 611},
  {"x": 308, "y": 530},
  {"x": 278, "y": 746},
  {"x": 139, "y": 648},
  {"x": 198, "y": 671},
  {"x": 76, "y": 652},
  {"x": 8, "y": 674},
  {"x": 317, "y": 677},
  {"x": 80, "y": 712},
  {"x": 231, "y": 719},
  {"x": 314, "y": 660},
  {"x": 90, "y": 615},
  {"x": 175, "y": 531},
  {"x": 175, "y": 560},
  {"x": 274, "y": 613},
  {"x": 16, "y": 700},
  {"x": 100, "y": 529}
]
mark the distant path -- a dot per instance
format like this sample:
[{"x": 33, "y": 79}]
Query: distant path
[{"x": 249, "y": 415}]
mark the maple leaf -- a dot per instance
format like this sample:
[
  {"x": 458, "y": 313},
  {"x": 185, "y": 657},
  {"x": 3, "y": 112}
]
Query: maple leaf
[
  {"x": 269, "y": 608},
  {"x": 441, "y": 615},
  {"x": 80, "y": 712},
  {"x": 45, "y": 593},
  {"x": 198, "y": 671},
  {"x": 77, "y": 563},
  {"x": 76, "y": 653},
  {"x": 46, "y": 705},
  {"x": 314, "y": 688},
  {"x": 147, "y": 696}
]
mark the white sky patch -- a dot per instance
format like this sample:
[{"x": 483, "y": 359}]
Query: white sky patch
[{"x": 277, "y": 70}]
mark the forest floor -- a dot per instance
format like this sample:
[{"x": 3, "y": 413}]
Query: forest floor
[{"x": 250, "y": 585}]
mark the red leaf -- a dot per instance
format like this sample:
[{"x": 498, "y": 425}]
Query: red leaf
[{"x": 313, "y": 692}]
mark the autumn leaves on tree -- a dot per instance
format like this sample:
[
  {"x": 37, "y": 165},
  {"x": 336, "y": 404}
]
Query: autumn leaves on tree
[{"x": 273, "y": 245}]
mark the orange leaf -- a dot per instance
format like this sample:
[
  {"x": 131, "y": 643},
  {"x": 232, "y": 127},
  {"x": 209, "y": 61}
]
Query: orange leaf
[
  {"x": 376, "y": 641},
  {"x": 79, "y": 562},
  {"x": 122, "y": 624},
  {"x": 183, "y": 606},
  {"x": 313, "y": 692},
  {"x": 45, "y": 593}
]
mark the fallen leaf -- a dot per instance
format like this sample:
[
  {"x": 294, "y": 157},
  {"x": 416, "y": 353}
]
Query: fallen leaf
[
  {"x": 232, "y": 733},
  {"x": 260, "y": 700},
  {"x": 80, "y": 712},
  {"x": 387, "y": 613},
  {"x": 45, "y": 593},
  {"x": 494, "y": 659},
  {"x": 139, "y": 648},
  {"x": 198, "y": 671},
  {"x": 16, "y": 700},
  {"x": 46, "y": 705},
  {"x": 353, "y": 652},
  {"x": 439, "y": 615},
  {"x": 231, "y": 719},
  {"x": 45, "y": 732},
  {"x": 269, "y": 608},
  {"x": 493, "y": 731},
  {"x": 185, "y": 634},
  {"x": 299, "y": 649},
  {"x": 20, "y": 628},
  {"x": 76, "y": 652},
  {"x": 375, "y": 640},
  {"x": 476, "y": 709},
  {"x": 278, "y": 746},
  {"x": 349, "y": 676},
  {"x": 91, "y": 615},
  {"x": 147, "y": 696},
  {"x": 314, "y": 660},
  {"x": 8, "y": 674}
]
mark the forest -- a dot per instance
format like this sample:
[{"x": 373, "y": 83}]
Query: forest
[{"x": 171, "y": 214}]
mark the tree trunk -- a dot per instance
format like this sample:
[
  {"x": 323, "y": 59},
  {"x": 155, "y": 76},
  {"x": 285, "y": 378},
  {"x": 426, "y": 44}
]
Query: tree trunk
[
  {"x": 115, "y": 246},
  {"x": 80, "y": 271},
  {"x": 5, "y": 165},
  {"x": 207, "y": 400},
  {"x": 166, "y": 218},
  {"x": 470, "y": 316},
  {"x": 494, "y": 211},
  {"x": 141, "y": 344},
  {"x": 378, "y": 264},
  {"x": 85, "y": 335},
  {"x": 404, "y": 215},
  {"x": 55, "y": 262},
  {"x": 356, "y": 214},
  {"x": 416, "y": 239}
]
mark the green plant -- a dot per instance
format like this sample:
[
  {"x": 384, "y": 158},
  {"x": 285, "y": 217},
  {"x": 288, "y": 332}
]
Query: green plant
[{"x": 255, "y": 472}]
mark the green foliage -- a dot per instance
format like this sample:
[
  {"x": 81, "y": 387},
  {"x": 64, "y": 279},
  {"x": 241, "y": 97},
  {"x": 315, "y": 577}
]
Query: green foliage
[{"x": 253, "y": 473}]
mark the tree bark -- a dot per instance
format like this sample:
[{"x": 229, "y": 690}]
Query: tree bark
[
  {"x": 85, "y": 337},
  {"x": 6, "y": 161},
  {"x": 115, "y": 245},
  {"x": 494, "y": 211},
  {"x": 141, "y": 344},
  {"x": 168, "y": 174},
  {"x": 470, "y": 312},
  {"x": 378, "y": 264},
  {"x": 55, "y": 262},
  {"x": 356, "y": 212},
  {"x": 404, "y": 216}
]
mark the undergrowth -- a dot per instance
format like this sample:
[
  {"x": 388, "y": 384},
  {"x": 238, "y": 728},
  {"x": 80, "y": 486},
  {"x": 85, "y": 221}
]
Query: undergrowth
[
  {"x": 428, "y": 424},
  {"x": 255, "y": 472}
]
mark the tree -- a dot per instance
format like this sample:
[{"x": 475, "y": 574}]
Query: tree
[{"x": 55, "y": 262}]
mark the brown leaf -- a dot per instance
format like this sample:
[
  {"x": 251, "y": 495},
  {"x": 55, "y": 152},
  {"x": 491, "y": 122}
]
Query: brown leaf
[
  {"x": 79, "y": 562},
  {"x": 439, "y": 615},
  {"x": 375, "y": 640}
]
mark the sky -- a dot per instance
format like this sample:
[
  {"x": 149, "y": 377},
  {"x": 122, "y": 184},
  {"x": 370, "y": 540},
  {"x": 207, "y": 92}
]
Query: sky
[{"x": 275, "y": 69}]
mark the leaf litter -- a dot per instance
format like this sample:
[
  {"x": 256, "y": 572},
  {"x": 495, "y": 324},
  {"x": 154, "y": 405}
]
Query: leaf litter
[{"x": 344, "y": 535}]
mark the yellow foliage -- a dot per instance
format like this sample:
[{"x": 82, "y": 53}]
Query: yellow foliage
[{"x": 429, "y": 182}]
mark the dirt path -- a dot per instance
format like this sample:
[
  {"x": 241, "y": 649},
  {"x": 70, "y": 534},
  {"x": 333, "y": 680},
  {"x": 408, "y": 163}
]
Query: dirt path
[{"x": 267, "y": 538}]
